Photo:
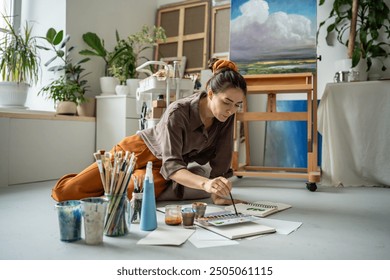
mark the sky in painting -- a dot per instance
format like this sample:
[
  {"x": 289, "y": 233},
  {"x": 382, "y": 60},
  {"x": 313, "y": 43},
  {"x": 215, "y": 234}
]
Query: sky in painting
[{"x": 269, "y": 29}]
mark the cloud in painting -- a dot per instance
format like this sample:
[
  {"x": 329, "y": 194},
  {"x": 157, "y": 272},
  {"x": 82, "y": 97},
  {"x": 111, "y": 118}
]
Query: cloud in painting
[{"x": 257, "y": 34}]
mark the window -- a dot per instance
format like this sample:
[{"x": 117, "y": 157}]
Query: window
[
  {"x": 11, "y": 8},
  {"x": 5, "y": 9}
]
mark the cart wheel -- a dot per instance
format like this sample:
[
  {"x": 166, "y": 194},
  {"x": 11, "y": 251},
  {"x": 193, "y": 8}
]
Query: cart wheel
[
  {"x": 239, "y": 177},
  {"x": 311, "y": 186}
]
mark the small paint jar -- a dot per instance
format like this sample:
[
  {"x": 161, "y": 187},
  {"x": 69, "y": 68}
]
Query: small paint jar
[
  {"x": 188, "y": 215},
  {"x": 173, "y": 215}
]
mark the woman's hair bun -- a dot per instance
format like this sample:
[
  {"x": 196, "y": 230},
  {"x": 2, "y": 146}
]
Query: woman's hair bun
[{"x": 217, "y": 65}]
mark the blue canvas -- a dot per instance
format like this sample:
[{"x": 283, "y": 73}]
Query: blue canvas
[{"x": 286, "y": 141}]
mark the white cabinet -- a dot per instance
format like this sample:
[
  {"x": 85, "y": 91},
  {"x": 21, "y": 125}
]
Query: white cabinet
[
  {"x": 116, "y": 118},
  {"x": 37, "y": 146}
]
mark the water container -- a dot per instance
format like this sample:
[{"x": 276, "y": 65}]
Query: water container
[{"x": 148, "y": 211}]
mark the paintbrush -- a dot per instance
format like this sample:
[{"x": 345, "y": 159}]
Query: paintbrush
[
  {"x": 234, "y": 205},
  {"x": 120, "y": 190},
  {"x": 98, "y": 158}
]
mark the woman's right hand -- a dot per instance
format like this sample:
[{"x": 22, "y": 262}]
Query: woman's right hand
[
  {"x": 219, "y": 186},
  {"x": 225, "y": 201}
]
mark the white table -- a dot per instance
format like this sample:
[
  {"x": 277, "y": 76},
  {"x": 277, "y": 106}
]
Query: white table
[{"x": 354, "y": 120}]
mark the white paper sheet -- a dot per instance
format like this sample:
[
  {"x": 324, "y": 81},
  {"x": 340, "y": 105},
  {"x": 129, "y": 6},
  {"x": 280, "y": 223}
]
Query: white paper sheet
[
  {"x": 167, "y": 235},
  {"x": 282, "y": 227},
  {"x": 203, "y": 238}
]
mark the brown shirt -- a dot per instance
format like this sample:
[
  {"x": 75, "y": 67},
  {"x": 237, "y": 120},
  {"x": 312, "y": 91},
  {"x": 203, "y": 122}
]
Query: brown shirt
[{"x": 180, "y": 138}]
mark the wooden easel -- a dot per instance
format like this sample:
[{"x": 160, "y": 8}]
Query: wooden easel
[{"x": 273, "y": 84}]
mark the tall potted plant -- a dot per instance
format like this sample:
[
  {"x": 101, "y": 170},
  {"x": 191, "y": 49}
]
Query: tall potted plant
[
  {"x": 145, "y": 39},
  {"x": 363, "y": 26},
  {"x": 127, "y": 54},
  {"x": 97, "y": 48},
  {"x": 19, "y": 64},
  {"x": 123, "y": 64},
  {"x": 69, "y": 89}
]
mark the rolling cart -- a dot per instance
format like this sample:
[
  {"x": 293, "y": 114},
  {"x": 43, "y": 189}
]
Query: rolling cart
[
  {"x": 272, "y": 85},
  {"x": 153, "y": 88}
]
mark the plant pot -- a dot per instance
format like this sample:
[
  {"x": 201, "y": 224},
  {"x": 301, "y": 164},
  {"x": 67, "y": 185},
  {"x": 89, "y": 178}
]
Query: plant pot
[
  {"x": 13, "y": 94},
  {"x": 133, "y": 84},
  {"x": 122, "y": 90},
  {"x": 108, "y": 84},
  {"x": 66, "y": 108},
  {"x": 346, "y": 65},
  {"x": 87, "y": 109}
]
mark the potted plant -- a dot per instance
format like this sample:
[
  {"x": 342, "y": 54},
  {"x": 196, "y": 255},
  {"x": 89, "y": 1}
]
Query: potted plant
[
  {"x": 123, "y": 64},
  {"x": 363, "y": 27},
  {"x": 19, "y": 64},
  {"x": 97, "y": 48},
  {"x": 127, "y": 54},
  {"x": 146, "y": 38},
  {"x": 69, "y": 89}
]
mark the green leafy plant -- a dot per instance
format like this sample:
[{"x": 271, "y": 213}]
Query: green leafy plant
[
  {"x": 123, "y": 63},
  {"x": 127, "y": 54},
  {"x": 358, "y": 25},
  {"x": 19, "y": 59},
  {"x": 64, "y": 90},
  {"x": 146, "y": 38},
  {"x": 97, "y": 48},
  {"x": 71, "y": 86}
]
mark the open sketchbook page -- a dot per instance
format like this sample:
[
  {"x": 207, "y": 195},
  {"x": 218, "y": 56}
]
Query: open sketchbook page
[{"x": 259, "y": 208}]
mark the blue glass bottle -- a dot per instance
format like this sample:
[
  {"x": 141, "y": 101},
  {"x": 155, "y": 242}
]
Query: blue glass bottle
[{"x": 148, "y": 211}]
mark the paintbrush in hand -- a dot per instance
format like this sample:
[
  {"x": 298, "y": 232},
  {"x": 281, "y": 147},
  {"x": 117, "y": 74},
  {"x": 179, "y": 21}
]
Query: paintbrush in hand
[{"x": 234, "y": 205}]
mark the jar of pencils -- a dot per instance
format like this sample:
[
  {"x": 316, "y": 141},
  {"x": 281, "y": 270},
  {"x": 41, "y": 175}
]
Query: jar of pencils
[{"x": 115, "y": 222}]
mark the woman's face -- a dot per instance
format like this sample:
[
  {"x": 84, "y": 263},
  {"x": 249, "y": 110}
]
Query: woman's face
[{"x": 226, "y": 103}]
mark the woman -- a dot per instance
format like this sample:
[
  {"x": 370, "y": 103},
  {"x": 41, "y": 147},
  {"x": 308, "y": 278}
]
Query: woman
[{"x": 198, "y": 128}]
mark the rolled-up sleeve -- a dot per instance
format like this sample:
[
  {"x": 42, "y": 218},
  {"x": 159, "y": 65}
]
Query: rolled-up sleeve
[{"x": 172, "y": 145}]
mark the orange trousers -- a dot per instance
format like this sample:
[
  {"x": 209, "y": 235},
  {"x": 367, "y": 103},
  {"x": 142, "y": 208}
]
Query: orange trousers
[{"x": 88, "y": 183}]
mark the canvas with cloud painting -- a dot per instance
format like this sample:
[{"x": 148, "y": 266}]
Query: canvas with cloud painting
[{"x": 273, "y": 36}]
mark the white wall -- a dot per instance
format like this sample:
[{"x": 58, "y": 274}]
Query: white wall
[
  {"x": 166, "y": 2},
  {"x": 103, "y": 17},
  {"x": 77, "y": 17}
]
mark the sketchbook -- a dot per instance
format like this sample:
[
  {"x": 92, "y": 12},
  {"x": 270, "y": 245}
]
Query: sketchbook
[
  {"x": 233, "y": 227},
  {"x": 259, "y": 208},
  {"x": 241, "y": 230}
]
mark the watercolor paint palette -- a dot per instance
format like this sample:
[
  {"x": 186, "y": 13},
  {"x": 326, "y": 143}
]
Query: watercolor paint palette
[{"x": 226, "y": 218}]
